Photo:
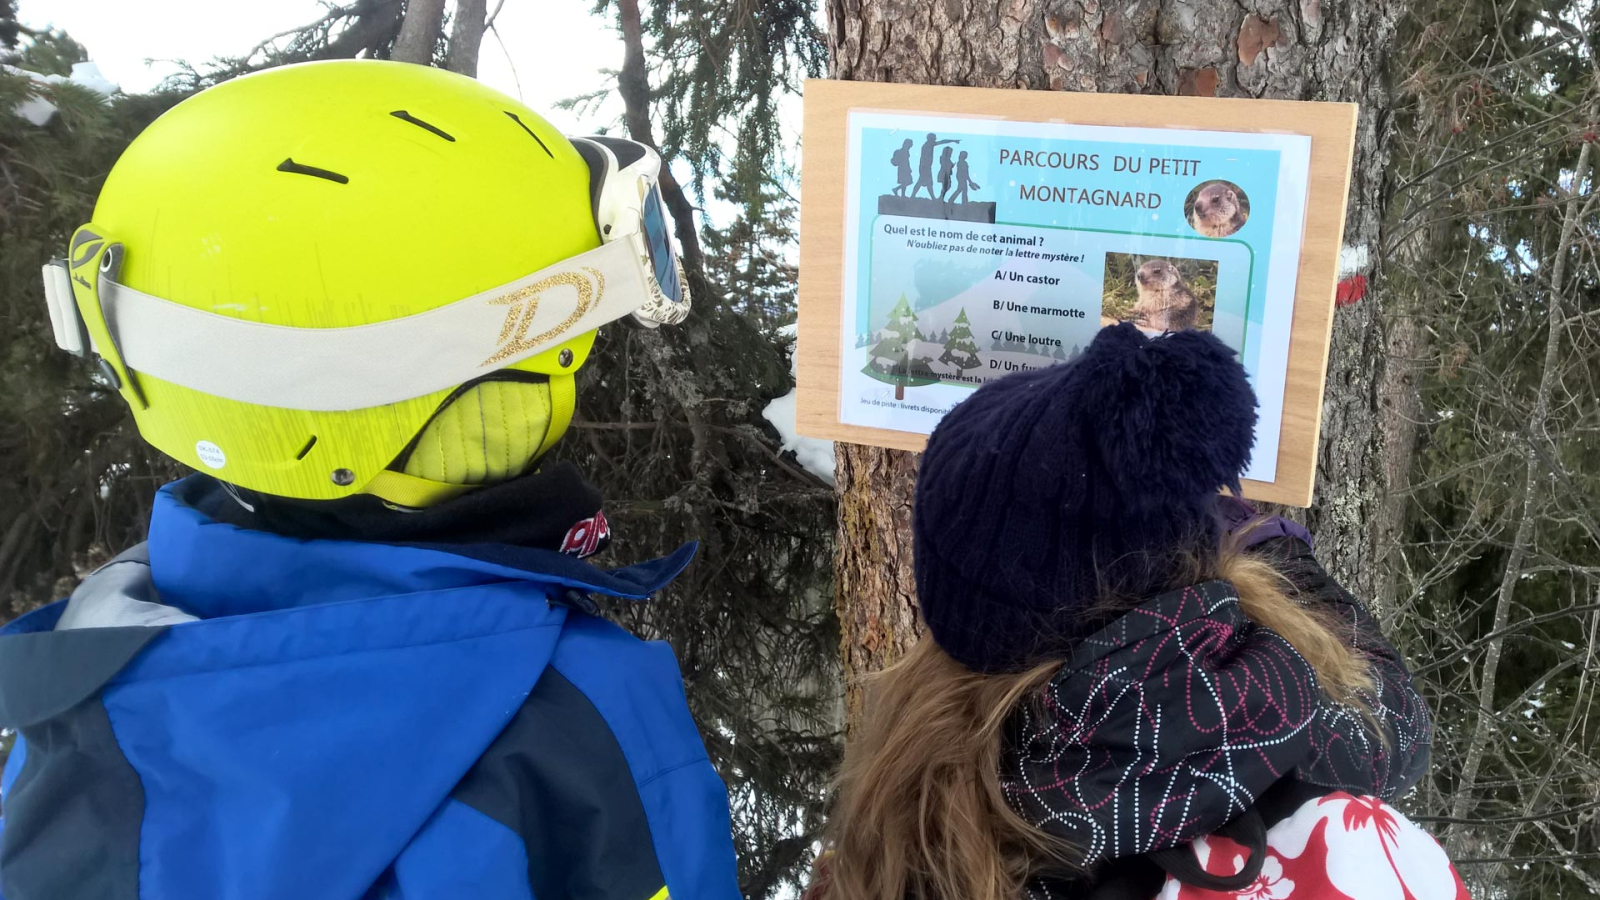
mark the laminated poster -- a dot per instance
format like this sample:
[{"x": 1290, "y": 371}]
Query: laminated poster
[{"x": 978, "y": 247}]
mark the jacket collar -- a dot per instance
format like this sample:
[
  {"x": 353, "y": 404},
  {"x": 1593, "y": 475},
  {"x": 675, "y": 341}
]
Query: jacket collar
[{"x": 211, "y": 568}]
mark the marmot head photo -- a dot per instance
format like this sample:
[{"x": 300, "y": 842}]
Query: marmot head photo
[
  {"x": 1217, "y": 208},
  {"x": 1159, "y": 293},
  {"x": 1165, "y": 301}
]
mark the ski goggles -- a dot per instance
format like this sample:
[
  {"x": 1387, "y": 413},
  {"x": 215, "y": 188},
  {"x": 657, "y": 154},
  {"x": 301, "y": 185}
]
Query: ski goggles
[
  {"x": 625, "y": 188},
  {"x": 634, "y": 273}
]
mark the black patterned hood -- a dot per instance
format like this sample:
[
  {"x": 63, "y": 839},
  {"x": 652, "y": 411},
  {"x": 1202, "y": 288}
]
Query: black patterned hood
[{"x": 1179, "y": 715}]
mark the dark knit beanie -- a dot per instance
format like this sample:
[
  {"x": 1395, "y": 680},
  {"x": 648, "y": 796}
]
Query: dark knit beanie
[{"x": 1047, "y": 489}]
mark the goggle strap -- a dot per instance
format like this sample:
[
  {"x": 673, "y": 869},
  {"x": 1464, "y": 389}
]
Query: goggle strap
[{"x": 359, "y": 367}]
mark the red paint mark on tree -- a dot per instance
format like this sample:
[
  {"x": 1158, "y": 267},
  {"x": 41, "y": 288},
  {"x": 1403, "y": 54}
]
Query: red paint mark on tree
[{"x": 1350, "y": 290}]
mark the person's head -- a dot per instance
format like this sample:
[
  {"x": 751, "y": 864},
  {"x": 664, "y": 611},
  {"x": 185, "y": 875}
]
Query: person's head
[
  {"x": 1048, "y": 504},
  {"x": 963, "y": 156},
  {"x": 932, "y": 136},
  {"x": 360, "y": 277},
  {"x": 906, "y": 145},
  {"x": 1049, "y": 492},
  {"x": 946, "y": 154}
]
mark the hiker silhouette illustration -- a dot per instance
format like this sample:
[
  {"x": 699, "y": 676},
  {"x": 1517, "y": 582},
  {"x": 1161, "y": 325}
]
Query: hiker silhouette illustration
[
  {"x": 946, "y": 167},
  {"x": 963, "y": 179},
  {"x": 902, "y": 163},
  {"x": 940, "y": 191},
  {"x": 925, "y": 164}
]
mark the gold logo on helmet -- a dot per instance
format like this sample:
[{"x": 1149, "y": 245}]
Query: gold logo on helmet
[{"x": 524, "y": 303}]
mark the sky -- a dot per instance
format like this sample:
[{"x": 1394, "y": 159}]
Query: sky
[{"x": 554, "y": 49}]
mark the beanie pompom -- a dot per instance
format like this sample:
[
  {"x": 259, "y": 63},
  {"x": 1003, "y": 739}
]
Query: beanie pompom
[{"x": 1176, "y": 414}]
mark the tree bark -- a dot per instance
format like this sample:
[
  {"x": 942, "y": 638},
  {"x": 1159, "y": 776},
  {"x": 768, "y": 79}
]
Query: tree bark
[
  {"x": 874, "y": 593},
  {"x": 466, "y": 36},
  {"x": 1285, "y": 49},
  {"x": 419, "y": 32}
]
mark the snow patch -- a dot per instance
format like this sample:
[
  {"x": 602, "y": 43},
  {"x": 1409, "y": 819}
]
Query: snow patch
[
  {"x": 87, "y": 74},
  {"x": 815, "y": 456}
]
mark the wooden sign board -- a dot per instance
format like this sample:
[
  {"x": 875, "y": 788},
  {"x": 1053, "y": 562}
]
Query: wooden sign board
[{"x": 953, "y": 235}]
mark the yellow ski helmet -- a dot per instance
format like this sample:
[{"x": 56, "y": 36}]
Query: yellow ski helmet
[{"x": 360, "y": 277}]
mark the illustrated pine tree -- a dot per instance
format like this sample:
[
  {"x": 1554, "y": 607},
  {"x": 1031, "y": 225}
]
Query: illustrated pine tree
[
  {"x": 894, "y": 358},
  {"x": 960, "y": 350}
]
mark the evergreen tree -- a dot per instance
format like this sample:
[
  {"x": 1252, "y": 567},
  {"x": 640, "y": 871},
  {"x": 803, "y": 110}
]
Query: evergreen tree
[
  {"x": 895, "y": 347},
  {"x": 749, "y": 260},
  {"x": 960, "y": 350},
  {"x": 720, "y": 69}
]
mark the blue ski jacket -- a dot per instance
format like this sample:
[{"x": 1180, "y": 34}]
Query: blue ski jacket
[{"x": 352, "y": 721}]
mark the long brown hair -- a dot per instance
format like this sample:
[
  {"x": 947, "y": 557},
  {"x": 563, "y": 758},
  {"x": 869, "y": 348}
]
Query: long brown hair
[{"x": 919, "y": 813}]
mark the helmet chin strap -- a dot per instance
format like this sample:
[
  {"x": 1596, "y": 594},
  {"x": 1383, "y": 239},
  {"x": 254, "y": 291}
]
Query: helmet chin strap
[{"x": 491, "y": 433}]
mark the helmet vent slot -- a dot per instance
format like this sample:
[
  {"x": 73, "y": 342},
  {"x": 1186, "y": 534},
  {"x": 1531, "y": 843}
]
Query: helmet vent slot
[
  {"x": 404, "y": 116},
  {"x": 289, "y": 165},
  {"x": 306, "y": 449},
  {"x": 530, "y": 133}
]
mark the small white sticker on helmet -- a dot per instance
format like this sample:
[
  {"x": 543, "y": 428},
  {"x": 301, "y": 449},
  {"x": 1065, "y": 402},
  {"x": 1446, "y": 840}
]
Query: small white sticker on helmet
[{"x": 210, "y": 454}]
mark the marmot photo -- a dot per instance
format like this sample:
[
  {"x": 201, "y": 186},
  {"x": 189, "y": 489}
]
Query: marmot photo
[
  {"x": 1165, "y": 302},
  {"x": 1218, "y": 210}
]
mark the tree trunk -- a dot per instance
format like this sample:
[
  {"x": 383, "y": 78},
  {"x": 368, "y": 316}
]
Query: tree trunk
[
  {"x": 874, "y": 592},
  {"x": 466, "y": 36},
  {"x": 1285, "y": 49},
  {"x": 419, "y": 32}
]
